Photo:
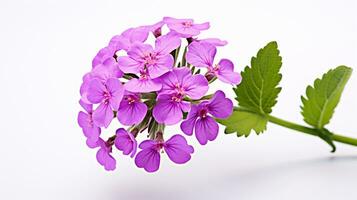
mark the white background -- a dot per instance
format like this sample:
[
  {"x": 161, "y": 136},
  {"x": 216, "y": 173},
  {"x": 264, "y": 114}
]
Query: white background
[{"x": 46, "y": 47}]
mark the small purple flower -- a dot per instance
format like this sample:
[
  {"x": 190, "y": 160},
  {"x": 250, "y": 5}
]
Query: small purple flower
[
  {"x": 206, "y": 128},
  {"x": 104, "y": 156},
  {"x": 132, "y": 35},
  {"x": 102, "y": 71},
  {"x": 125, "y": 142},
  {"x": 201, "y": 54},
  {"x": 108, "y": 95},
  {"x": 185, "y": 27},
  {"x": 103, "y": 54},
  {"x": 178, "y": 84},
  {"x": 149, "y": 63},
  {"x": 176, "y": 148},
  {"x": 108, "y": 69},
  {"x": 85, "y": 121},
  {"x": 131, "y": 110}
]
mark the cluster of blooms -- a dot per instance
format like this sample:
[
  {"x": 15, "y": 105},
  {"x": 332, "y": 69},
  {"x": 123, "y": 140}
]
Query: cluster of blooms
[{"x": 150, "y": 88}]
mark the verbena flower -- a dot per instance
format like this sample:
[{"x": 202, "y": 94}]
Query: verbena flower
[
  {"x": 202, "y": 54},
  {"x": 178, "y": 84},
  {"x": 128, "y": 38},
  {"x": 153, "y": 87},
  {"x": 108, "y": 95},
  {"x": 125, "y": 142},
  {"x": 206, "y": 128},
  {"x": 132, "y": 106},
  {"x": 185, "y": 27},
  {"x": 85, "y": 121},
  {"x": 176, "y": 148},
  {"x": 149, "y": 63},
  {"x": 104, "y": 156}
]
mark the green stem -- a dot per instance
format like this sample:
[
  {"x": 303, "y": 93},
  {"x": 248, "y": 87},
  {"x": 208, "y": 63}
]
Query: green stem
[{"x": 311, "y": 131}]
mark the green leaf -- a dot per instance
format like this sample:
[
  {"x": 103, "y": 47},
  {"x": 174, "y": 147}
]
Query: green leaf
[
  {"x": 322, "y": 98},
  {"x": 243, "y": 122},
  {"x": 258, "y": 90}
]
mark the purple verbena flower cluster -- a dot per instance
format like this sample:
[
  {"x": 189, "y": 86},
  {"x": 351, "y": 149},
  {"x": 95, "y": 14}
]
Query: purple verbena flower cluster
[{"x": 150, "y": 88}]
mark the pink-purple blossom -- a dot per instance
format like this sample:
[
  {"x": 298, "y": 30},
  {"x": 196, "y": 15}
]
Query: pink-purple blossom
[
  {"x": 201, "y": 117},
  {"x": 150, "y": 63},
  {"x": 129, "y": 37},
  {"x": 176, "y": 148},
  {"x": 185, "y": 27},
  {"x": 125, "y": 142},
  {"x": 109, "y": 96},
  {"x": 178, "y": 84},
  {"x": 132, "y": 106},
  {"x": 85, "y": 121},
  {"x": 202, "y": 54},
  {"x": 151, "y": 87},
  {"x": 104, "y": 156}
]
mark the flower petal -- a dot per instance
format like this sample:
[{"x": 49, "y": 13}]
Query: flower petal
[
  {"x": 206, "y": 129},
  {"x": 82, "y": 119},
  {"x": 116, "y": 89},
  {"x": 147, "y": 144},
  {"x": 167, "y": 111},
  {"x": 149, "y": 159},
  {"x": 129, "y": 65},
  {"x": 178, "y": 150},
  {"x": 201, "y": 54},
  {"x": 102, "y": 55},
  {"x": 196, "y": 86},
  {"x": 163, "y": 64},
  {"x": 103, "y": 115},
  {"x": 214, "y": 41},
  {"x": 92, "y": 133},
  {"x": 104, "y": 158},
  {"x": 137, "y": 34},
  {"x": 139, "y": 50},
  {"x": 131, "y": 113},
  {"x": 143, "y": 85},
  {"x": 203, "y": 26},
  {"x": 125, "y": 142},
  {"x": 220, "y": 106},
  {"x": 171, "y": 79},
  {"x": 188, "y": 125},
  {"x": 95, "y": 91},
  {"x": 226, "y": 73},
  {"x": 167, "y": 43}
]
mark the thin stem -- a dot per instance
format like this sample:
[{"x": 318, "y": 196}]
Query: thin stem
[
  {"x": 311, "y": 131},
  {"x": 304, "y": 129}
]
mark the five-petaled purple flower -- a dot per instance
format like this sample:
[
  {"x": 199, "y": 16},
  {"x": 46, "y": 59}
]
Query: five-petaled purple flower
[
  {"x": 206, "y": 128},
  {"x": 176, "y": 85},
  {"x": 152, "y": 87},
  {"x": 132, "y": 35},
  {"x": 185, "y": 27},
  {"x": 201, "y": 54},
  {"x": 149, "y": 63},
  {"x": 109, "y": 95},
  {"x": 125, "y": 141},
  {"x": 131, "y": 110},
  {"x": 104, "y": 156},
  {"x": 176, "y": 148},
  {"x": 85, "y": 121}
]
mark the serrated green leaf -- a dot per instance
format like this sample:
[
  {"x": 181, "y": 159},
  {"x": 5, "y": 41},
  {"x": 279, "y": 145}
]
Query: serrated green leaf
[
  {"x": 258, "y": 90},
  {"x": 321, "y": 99},
  {"x": 243, "y": 122}
]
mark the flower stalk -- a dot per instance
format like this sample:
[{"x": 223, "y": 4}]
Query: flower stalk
[{"x": 305, "y": 129}]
